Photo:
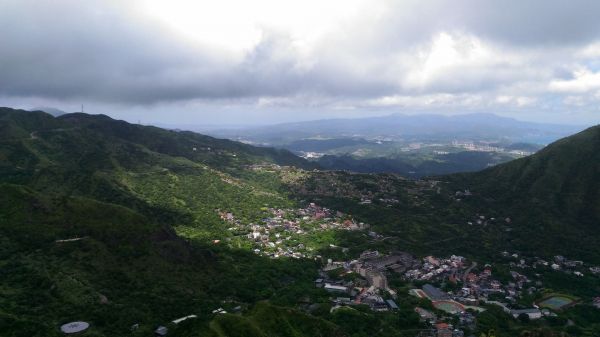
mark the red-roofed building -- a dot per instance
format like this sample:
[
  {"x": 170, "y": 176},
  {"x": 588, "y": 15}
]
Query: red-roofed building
[{"x": 442, "y": 325}]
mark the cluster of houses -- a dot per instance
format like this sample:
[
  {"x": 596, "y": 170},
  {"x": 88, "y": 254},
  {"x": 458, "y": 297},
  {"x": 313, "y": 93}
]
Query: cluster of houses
[
  {"x": 368, "y": 284},
  {"x": 482, "y": 220},
  {"x": 441, "y": 328},
  {"x": 557, "y": 263},
  {"x": 433, "y": 268},
  {"x": 475, "y": 287},
  {"x": 483, "y": 147},
  {"x": 280, "y": 234}
]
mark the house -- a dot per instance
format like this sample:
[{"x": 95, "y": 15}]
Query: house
[
  {"x": 179, "y": 320},
  {"x": 335, "y": 288},
  {"x": 443, "y": 330},
  {"x": 442, "y": 326},
  {"x": 392, "y": 304},
  {"x": 458, "y": 333},
  {"x": 471, "y": 278},
  {"x": 444, "y": 333},
  {"x": 432, "y": 260},
  {"x": 219, "y": 311},
  {"x": 161, "y": 331},
  {"x": 343, "y": 300}
]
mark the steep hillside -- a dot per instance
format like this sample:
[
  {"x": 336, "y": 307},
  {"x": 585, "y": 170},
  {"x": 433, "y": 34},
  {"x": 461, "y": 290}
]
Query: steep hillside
[
  {"x": 91, "y": 221},
  {"x": 554, "y": 193},
  {"x": 129, "y": 227}
]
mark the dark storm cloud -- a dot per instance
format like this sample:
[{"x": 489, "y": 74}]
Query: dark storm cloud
[
  {"x": 514, "y": 22},
  {"x": 554, "y": 22},
  {"x": 82, "y": 49}
]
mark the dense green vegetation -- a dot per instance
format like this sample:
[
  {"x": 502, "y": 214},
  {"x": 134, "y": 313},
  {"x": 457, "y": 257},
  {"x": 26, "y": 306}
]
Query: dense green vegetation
[
  {"x": 123, "y": 192},
  {"x": 115, "y": 224},
  {"x": 554, "y": 196},
  {"x": 415, "y": 165}
]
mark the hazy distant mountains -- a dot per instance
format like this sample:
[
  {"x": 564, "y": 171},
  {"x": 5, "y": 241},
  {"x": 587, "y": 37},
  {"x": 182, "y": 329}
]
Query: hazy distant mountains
[
  {"x": 53, "y": 111},
  {"x": 429, "y": 127},
  {"x": 410, "y": 145},
  {"x": 140, "y": 206}
]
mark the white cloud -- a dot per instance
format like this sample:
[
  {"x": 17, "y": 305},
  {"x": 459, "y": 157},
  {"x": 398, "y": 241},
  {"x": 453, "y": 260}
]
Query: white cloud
[{"x": 583, "y": 81}]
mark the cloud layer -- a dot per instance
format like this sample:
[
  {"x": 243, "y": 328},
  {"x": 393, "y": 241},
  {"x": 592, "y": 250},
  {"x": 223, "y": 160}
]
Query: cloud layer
[{"x": 530, "y": 58}]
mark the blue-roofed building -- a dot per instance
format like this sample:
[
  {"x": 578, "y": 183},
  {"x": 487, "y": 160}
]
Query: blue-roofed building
[
  {"x": 435, "y": 294},
  {"x": 392, "y": 304}
]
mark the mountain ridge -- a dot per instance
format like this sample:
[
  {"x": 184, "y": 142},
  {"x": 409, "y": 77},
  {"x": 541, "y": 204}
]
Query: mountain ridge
[
  {"x": 556, "y": 191},
  {"x": 433, "y": 126},
  {"x": 101, "y": 216}
]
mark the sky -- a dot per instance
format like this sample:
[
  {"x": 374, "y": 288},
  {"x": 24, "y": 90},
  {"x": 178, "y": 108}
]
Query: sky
[{"x": 268, "y": 61}]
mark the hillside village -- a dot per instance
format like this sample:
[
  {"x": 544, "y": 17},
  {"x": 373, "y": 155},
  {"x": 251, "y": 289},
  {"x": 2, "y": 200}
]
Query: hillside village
[
  {"x": 456, "y": 288},
  {"x": 468, "y": 288},
  {"x": 283, "y": 232}
]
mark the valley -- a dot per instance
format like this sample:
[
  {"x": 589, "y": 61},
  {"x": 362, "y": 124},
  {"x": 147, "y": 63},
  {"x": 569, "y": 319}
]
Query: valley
[
  {"x": 412, "y": 146},
  {"x": 100, "y": 216},
  {"x": 299, "y": 168}
]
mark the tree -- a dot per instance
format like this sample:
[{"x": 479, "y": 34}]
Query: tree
[{"x": 524, "y": 318}]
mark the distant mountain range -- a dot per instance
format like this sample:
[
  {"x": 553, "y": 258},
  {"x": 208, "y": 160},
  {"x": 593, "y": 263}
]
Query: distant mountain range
[
  {"x": 122, "y": 225},
  {"x": 409, "y": 127},
  {"x": 53, "y": 111}
]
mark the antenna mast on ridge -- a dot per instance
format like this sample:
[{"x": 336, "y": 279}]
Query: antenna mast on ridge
[{"x": 82, "y": 108}]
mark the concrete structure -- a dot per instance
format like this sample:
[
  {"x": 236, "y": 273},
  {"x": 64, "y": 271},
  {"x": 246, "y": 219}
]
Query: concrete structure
[
  {"x": 74, "y": 327},
  {"x": 533, "y": 313},
  {"x": 161, "y": 331},
  {"x": 179, "y": 320},
  {"x": 369, "y": 254},
  {"x": 335, "y": 288},
  {"x": 377, "y": 279}
]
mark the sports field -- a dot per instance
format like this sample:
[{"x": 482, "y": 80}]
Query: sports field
[
  {"x": 556, "y": 302},
  {"x": 449, "y": 306}
]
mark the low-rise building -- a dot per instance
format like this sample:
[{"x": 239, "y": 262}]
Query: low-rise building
[
  {"x": 533, "y": 313},
  {"x": 434, "y": 293},
  {"x": 335, "y": 288}
]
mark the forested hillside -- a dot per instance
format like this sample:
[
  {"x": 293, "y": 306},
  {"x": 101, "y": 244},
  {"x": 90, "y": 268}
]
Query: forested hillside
[
  {"x": 554, "y": 193},
  {"x": 129, "y": 227},
  {"x": 90, "y": 212}
]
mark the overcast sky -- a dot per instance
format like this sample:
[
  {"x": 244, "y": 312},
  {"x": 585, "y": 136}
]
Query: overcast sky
[{"x": 257, "y": 62}]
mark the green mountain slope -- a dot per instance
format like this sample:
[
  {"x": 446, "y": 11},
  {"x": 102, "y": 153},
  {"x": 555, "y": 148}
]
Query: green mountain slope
[
  {"x": 554, "y": 194},
  {"x": 89, "y": 223},
  {"x": 119, "y": 224}
]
